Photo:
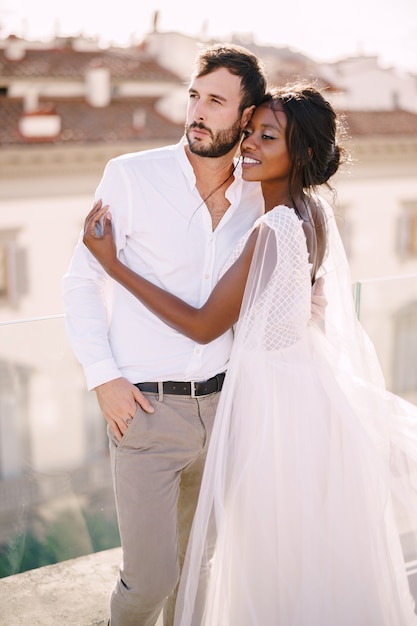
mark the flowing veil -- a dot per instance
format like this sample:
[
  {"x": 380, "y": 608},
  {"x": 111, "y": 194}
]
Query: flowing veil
[{"x": 310, "y": 474}]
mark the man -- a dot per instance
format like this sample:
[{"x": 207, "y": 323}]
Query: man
[{"x": 177, "y": 214}]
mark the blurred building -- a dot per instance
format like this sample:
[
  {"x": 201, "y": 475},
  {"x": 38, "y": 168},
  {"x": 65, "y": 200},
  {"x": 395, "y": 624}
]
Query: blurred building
[{"x": 66, "y": 108}]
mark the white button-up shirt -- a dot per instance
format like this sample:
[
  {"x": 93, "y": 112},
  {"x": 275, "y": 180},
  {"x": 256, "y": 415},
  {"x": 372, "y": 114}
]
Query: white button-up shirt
[{"x": 163, "y": 231}]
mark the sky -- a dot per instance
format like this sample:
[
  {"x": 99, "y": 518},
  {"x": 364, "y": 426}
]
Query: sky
[{"x": 324, "y": 30}]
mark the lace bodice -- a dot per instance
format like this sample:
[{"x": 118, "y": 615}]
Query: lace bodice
[{"x": 277, "y": 303}]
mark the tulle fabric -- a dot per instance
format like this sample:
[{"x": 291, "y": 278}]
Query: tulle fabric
[{"x": 309, "y": 479}]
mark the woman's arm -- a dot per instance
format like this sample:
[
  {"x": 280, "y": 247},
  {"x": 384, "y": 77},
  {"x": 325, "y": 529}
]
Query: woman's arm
[{"x": 216, "y": 316}]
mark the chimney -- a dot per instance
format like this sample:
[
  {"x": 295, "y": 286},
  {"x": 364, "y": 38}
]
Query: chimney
[
  {"x": 98, "y": 85},
  {"x": 40, "y": 125},
  {"x": 139, "y": 119},
  {"x": 15, "y": 48},
  {"x": 31, "y": 100}
]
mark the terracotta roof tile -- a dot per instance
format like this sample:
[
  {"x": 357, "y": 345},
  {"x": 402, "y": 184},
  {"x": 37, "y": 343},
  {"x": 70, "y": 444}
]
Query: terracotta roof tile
[
  {"x": 381, "y": 123},
  {"x": 66, "y": 63},
  {"x": 82, "y": 123}
]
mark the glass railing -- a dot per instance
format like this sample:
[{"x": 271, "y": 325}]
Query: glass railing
[
  {"x": 387, "y": 309},
  {"x": 56, "y": 496}
]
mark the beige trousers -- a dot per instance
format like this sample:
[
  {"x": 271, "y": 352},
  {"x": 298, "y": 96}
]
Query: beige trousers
[{"x": 157, "y": 469}]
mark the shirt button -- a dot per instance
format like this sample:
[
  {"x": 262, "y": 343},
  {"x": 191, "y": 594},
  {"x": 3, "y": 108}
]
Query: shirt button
[{"x": 207, "y": 276}]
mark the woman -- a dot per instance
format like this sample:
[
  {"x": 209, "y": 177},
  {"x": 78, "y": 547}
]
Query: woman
[{"x": 296, "y": 523}]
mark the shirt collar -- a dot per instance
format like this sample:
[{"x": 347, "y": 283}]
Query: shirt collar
[{"x": 184, "y": 162}]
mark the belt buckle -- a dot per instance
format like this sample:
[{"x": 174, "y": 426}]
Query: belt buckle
[{"x": 192, "y": 385}]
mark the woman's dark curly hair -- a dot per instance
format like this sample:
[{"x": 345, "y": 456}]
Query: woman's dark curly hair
[{"x": 312, "y": 135}]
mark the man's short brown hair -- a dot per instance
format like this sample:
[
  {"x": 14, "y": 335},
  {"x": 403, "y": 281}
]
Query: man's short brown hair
[{"x": 239, "y": 61}]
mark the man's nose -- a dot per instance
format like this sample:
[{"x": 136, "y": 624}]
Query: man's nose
[{"x": 199, "y": 111}]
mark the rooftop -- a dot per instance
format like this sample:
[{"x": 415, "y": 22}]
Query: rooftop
[
  {"x": 125, "y": 119},
  {"x": 139, "y": 94},
  {"x": 382, "y": 123},
  {"x": 65, "y": 62}
]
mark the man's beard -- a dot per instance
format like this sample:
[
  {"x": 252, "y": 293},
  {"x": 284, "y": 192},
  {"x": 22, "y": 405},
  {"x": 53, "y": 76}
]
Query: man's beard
[{"x": 222, "y": 142}]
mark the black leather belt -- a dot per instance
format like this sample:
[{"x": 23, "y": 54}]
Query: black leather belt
[{"x": 193, "y": 389}]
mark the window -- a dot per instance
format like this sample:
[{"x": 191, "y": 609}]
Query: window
[
  {"x": 3, "y": 271},
  {"x": 407, "y": 230},
  {"x": 13, "y": 269},
  {"x": 405, "y": 352}
]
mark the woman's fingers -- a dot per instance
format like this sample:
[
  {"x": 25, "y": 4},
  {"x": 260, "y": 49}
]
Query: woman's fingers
[
  {"x": 107, "y": 226},
  {"x": 93, "y": 218},
  {"x": 96, "y": 207}
]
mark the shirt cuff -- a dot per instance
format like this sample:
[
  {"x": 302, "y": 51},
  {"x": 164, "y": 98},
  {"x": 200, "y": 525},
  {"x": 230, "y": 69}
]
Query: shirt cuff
[{"x": 100, "y": 373}]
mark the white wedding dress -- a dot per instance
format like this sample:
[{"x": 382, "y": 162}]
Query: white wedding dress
[{"x": 309, "y": 476}]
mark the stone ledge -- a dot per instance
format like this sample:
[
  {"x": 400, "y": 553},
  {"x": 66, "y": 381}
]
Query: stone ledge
[{"x": 71, "y": 593}]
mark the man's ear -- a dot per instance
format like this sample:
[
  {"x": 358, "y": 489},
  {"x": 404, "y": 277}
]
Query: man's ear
[{"x": 246, "y": 115}]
